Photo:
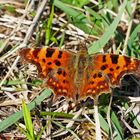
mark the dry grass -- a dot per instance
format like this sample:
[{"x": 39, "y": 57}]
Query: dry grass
[{"x": 22, "y": 25}]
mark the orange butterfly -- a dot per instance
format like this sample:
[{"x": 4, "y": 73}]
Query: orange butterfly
[{"x": 80, "y": 75}]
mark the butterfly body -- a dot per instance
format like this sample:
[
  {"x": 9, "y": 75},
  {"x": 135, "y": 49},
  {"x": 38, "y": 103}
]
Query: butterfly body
[{"x": 71, "y": 74}]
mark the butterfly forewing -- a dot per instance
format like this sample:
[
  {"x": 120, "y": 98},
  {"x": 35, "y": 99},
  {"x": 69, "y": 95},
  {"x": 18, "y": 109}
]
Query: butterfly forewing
[{"x": 55, "y": 66}]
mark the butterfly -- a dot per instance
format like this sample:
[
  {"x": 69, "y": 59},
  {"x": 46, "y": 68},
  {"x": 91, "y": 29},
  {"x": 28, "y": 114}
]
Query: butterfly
[{"x": 79, "y": 75}]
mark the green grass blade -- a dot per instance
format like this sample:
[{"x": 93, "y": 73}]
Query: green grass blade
[
  {"x": 18, "y": 115},
  {"x": 98, "y": 45},
  {"x": 62, "y": 40},
  {"x": 68, "y": 10},
  {"x": 134, "y": 34},
  {"x": 117, "y": 134},
  {"x": 117, "y": 126},
  {"x": 28, "y": 120},
  {"x": 56, "y": 114},
  {"x": 49, "y": 26},
  {"x": 78, "y": 18},
  {"x": 133, "y": 42},
  {"x": 12, "y": 82},
  {"x": 104, "y": 124}
]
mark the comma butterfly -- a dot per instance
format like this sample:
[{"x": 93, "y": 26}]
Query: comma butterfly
[{"x": 78, "y": 74}]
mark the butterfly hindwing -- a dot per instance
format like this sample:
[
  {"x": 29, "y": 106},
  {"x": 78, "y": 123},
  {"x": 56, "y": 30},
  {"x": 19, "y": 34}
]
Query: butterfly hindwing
[{"x": 107, "y": 71}]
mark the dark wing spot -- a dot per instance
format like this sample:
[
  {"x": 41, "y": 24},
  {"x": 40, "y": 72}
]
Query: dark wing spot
[
  {"x": 65, "y": 81},
  {"x": 92, "y": 82},
  {"x": 57, "y": 63},
  {"x": 103, "y": 67},
  {"x": 117, "y": 67},
  {"x": 43, "y": 60},
  {"x": 49, "y": 52},
  {"x": 95, "y": 75},
  {"x": 99, "y": 75},
  {"x": 127, "y": 61},
  {"x": 60, "y": 54},
  {"x": 104, "y": 58},
  {"x": 36, "y": 51},
  {"x": 114, "y": 59},
  {"x": 49, "y": 63},
  {"x": 59, "y": 71},
  {"x": 64, "y": 73},
  {"x": 111, "y": 69}
]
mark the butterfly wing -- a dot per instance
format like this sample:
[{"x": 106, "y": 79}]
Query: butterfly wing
[
  {"x": 55, "y": 66},
  {"x": 106, "y": 70}
]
